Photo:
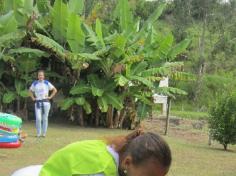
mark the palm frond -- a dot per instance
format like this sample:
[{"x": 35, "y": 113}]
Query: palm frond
[
  {"x": 50, "y": 45},
  {"x": 24, "y": 50},
  {"x": 182, "y": 76},
  {"x": 99, "y": 32},
  {"x": 75, "y": 35},
  {"x": 8, "y": 23},
  {"x": 77, "y": 6},
  {"x": 11, "y": 38},
  {"x": 170, "y": 91},
  {"x": 179, "y": 48},
  {"x": 59, "y": 20}
]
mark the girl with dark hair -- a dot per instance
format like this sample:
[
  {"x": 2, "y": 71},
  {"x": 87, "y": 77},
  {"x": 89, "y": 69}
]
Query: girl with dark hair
[
  {"x": 39, "y": 93},
  {"x": 137, "y": 154}
]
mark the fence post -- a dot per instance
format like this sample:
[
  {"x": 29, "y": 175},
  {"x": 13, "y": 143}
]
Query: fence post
[{"x": 167, "y": 115}]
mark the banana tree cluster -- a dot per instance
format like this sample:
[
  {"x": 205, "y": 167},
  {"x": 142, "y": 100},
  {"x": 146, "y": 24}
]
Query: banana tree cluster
[
  {"x": 17, "y": 60},
  {"x": 116, "y": 67}
]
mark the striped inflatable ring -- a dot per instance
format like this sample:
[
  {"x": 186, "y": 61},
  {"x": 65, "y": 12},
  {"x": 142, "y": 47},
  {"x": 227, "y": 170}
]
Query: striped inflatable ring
[
  {"x": 10, "y": 130},
  {"x": 10, "y": 121},
  {"x": 5, "y": 128},
  {"x": 10, "y": 144},
  {"x": 13, "y": 138},
  {"x": 3, "y": 132}
]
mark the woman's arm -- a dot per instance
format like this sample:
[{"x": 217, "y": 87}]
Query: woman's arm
[
  {"x": 54, "y": 91},
  {"x": 31, "y": 95}
]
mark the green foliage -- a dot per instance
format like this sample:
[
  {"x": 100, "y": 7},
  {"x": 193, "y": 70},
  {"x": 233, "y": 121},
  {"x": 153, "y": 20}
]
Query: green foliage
[
  {"x": 76, "y": 6},
  {"x": 43, "y": 6},
  {"x": 8, "y": 97},
  {"x": 8, "y": 23},
  {"x": 11, "y": 38},
  {"x": 91, "y": 38},
  {"x": 80, "y": 101},
  {"x": 212, "y": 33},
  {"x": 81, "y": 88},
  {"x": 59, "y": 20},
  {"x": 143, "y": 110},
  {"x": 30, "y": 51},
  {"x": 87, "y": 108},
  {"x": 109, "y": 62},
  {"x": 67, "y": 103},
  {"x": 75, "y": 35},
  {"x": 114, "y": 100},
  {"x": 22, "y": 10},
  {"x": 50, "y": 44},
  {"x": 179, "y": 48},
  {"x": 103, "y": 104},
  {"x": 125, "y": 16},
  {"x": 152, "y": 18},
  {"x": 99, "y": 32},
  {"x": 222, "y": 121},
  {"x": 121, "y": 80},
  {"x": 170, "y": 91}
]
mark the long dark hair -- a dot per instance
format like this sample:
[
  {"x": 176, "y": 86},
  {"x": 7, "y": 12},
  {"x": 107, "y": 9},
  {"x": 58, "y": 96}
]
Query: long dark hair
[
  {"x": 41, "y": 71},
  {"x": 142, "y": 147}
]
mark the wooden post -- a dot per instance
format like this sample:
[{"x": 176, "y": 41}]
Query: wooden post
[
  {"x": 167, "y": 115},
  {"x": 97, "y": 114}
]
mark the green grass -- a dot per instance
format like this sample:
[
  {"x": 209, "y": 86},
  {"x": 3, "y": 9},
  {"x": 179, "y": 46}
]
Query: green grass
[
  {"x": 189, "y": 114},
  {"x": 186, "y": 112},
  {"x": 200, "y": 160},
  {"x": 193, "y": 158}
]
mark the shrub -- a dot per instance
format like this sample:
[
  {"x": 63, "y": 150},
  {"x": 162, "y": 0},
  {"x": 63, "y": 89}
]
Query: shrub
[{"x": 222, "y": 121}]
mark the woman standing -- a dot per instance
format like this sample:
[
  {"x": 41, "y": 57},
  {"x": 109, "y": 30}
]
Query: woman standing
[{"x": 39, "y": 92}]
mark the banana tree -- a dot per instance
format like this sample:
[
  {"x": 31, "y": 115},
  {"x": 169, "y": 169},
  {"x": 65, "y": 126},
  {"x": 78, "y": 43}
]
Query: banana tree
[
  {"x": 19, "y": 60},
  {"x": 10, "y": 37},
  {"x": 96, "y": 90},
  {"x": 132, "y": 56},
  {"x": 114, "y": 68}
]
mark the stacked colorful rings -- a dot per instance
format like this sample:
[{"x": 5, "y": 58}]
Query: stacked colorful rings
[{"x": 10, "y": 126}]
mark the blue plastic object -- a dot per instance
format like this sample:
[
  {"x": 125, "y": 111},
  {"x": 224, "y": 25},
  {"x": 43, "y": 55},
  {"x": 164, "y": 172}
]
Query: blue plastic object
[{"x": 12, "y": 138}]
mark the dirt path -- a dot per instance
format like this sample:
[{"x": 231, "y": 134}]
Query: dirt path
[{"x": 191, "y": 130}]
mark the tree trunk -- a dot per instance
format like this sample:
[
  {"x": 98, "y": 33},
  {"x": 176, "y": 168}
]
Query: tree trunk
[
  {"x": 116, "y": 120},
  {"x": 81, "y": 116},
  {"x": 202, "y": 60},
  {"x": 25, "y": 111},
  {"x": 122, "y": 118},
  {"x": 225, "y": 146},
  {"x": 72, "y": 118},
  {"x": 110, "y": 117},
  {"x": 151, "y": 113},
  {"x": 209, "y": 139},
  {"x": 97, "y": 113},
  {"x": 18, "y": 104}
]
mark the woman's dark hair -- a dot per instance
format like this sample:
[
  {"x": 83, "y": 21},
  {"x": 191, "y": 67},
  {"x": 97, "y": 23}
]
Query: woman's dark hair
[
  {"x": 143, "y": 147},
  {"x": 149, "y": 146},
  {"x": 41, "y": 71}
]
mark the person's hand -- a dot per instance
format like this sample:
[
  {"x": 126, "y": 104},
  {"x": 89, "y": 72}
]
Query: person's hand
[
  {"x": 34, "y": 99},
  {"x": 49, "y": 98}
]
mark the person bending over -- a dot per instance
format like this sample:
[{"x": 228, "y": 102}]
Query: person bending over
[{"x": 137, "y": 154}]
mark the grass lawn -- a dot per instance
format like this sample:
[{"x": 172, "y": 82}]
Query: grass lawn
[
  {"x": 190, "y": 157},
  {"x": 189, "y": 114},
  {"x": 186, "y": 113}
]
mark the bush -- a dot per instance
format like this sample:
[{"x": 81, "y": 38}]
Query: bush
[{"x": 222, "y": 121}]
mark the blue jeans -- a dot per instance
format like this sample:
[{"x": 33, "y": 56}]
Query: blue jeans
[{"x": 42, "y": 118}]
